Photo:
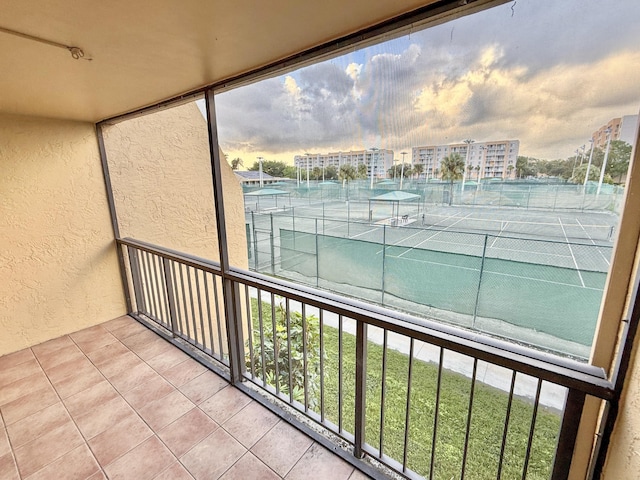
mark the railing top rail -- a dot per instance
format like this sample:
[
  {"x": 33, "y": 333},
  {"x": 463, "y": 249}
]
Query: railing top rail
[
  {"x": 566, "y": 372},
  {"x": 191, "y": 260}
]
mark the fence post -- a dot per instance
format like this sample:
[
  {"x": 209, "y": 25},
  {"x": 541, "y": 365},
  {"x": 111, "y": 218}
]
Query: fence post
[
  {"x": 384, "y": 255},
  {"x": 293, "y": 227},
  {"x": 528, "y": 197},
  {"x": 323, "y": 218},
  {"x": 475, "y": 309},
  {"x": 568, "y": 433},
  {"x": 555, "y": 199},
  {"x": 255, "y": 243},
  {"x": 361, "y": 388},
  {"x": 172, "y": 301},
  {"x": 273, "y": 253},
  {"x": 317, "y": 257},
  {"x": 348, "y": 218}
]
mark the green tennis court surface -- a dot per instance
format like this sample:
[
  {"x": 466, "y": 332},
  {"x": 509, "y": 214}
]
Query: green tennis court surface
[{"x": 542, "y": 271}]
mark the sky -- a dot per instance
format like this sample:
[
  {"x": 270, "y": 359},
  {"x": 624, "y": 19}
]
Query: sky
[{"x": 545, "y": 72}]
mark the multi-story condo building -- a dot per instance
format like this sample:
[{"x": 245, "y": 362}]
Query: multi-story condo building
[
  {"x": 492, "y": 159},
  {"x": 622, "y": 128},
  {"x": 380, "y": 160}
]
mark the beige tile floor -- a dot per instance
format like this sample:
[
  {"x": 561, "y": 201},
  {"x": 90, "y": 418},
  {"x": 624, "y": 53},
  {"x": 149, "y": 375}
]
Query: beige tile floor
[{"x": 116, "y": 401}]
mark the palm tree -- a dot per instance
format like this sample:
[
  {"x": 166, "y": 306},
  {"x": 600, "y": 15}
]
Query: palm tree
[
  {"x": 477, "y": 172},
  {"x": 510, "y": 169},
  {"x": 235, "y": 163},
  {"x": 452, "y": 168},
  {"x": 417, "y": 169},
  {"x": 346, "y": 174}
]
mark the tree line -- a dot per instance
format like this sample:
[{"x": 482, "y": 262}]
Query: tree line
[{"x": 573, "y": 169}]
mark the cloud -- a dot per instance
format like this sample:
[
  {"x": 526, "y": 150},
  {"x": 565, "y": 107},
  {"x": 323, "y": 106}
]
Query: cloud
[{"x": 548, "y": 73}]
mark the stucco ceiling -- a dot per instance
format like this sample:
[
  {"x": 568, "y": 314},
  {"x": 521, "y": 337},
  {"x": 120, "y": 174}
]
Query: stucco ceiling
[{"x": 145, "y": 52}]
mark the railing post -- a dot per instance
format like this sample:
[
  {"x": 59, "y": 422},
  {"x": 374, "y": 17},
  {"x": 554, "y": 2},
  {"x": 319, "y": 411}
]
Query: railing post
[
  {"x": 361, "y": 388},
  {"x": 135, "y": 279},
  {"x": 568, "y": 432},
  {"x": 170, "y": 295}
]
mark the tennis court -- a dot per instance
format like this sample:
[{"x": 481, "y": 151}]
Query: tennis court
[{"x": 542, "y": 271}]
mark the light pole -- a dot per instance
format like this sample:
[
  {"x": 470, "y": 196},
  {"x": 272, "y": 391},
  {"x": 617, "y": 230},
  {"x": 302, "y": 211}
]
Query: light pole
[
  {"x": 373, "y": 163},
  {"x": 604, "y": 163},
  {"x": 307, "y": 157},
  {"x": 586, "y": 176},
  {"x": 481, "y": 165},
  {"x": 394, "y": 169},
  {"x": 323, "y": 169},
  {"x": 402, "y": 169},
  {"x": 575, "y": 160},
  {"x": 260, "y": 168},
  {"x": 468, "y": 141}
]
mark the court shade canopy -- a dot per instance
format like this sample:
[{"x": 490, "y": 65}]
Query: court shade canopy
[
  {"x": 266, "y": 192},
  {"x": 395, "y": 199}
]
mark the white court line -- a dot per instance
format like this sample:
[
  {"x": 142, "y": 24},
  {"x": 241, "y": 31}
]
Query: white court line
[
  {"x": 571, "y": 250},
  {"x": 420, "y": 232},
  {"x": 503, "y": 225},
  {"x": 364, "y": 233},
  {"x": 435, "y": 234},
  {"x": 598, "y": 249},
  {"x": 499, "y": 273}
]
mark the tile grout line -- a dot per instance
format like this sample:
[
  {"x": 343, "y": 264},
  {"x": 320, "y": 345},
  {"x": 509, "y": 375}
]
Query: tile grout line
[
  {"x": 248, "y": 449},
  {"x": 178, "y": 460},
  {"x": 301, "y": 457},
  {"x": 121, "y": 395},
  {"x": 100, "y": 469},
  {"x": 11, "y": 449}
]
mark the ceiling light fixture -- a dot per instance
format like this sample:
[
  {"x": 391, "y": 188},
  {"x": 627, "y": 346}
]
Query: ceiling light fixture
[{"x": 76, "y": 52}]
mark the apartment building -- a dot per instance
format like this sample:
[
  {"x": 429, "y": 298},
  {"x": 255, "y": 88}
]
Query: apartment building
[
  {"x": 491, "y": 159},
  {"x": 380, "y": 160},
  {"x": 621, "y": 128}
]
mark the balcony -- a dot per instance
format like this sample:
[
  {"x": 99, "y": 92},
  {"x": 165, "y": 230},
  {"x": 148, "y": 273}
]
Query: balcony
[
  {"x": 118, "y": 401},
  {"x": 222, "y": 372},
  {"x": 335, "y": 382}
]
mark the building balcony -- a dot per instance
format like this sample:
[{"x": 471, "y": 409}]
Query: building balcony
[{"x": 118, "y": 401}]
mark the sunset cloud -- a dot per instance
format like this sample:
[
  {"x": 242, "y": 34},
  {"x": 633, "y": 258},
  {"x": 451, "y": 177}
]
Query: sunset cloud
[{"x": 533, "y": 75}]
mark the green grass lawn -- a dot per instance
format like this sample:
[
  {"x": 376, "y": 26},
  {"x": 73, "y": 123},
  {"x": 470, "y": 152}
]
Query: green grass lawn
[{"x": 487, "y": 420}]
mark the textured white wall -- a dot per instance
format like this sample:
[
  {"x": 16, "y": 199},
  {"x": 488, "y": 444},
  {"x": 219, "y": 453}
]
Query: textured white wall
[{"x": 58, "y": 266}]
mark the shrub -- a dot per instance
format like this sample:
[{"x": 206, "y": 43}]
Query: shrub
[{"x": 291, "y": 340}]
